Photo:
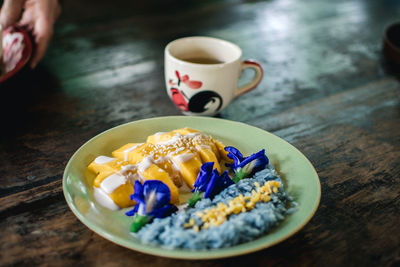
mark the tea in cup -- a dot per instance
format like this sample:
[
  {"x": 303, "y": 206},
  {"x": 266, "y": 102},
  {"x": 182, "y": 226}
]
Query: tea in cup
[{"x": 202, "y": 73}]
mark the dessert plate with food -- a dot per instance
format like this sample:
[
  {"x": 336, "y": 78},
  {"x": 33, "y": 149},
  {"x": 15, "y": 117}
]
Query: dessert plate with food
[{"x": 191, "y": 187}]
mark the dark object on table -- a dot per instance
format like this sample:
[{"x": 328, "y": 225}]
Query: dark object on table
[{"x": 391, "y": 43}]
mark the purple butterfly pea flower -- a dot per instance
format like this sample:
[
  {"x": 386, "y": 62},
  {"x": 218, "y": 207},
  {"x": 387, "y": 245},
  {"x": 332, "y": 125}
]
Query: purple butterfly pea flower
[
  {"x": 203, "y": 177},
  {"x": 152, "y": 201},
  {"x": 208, "y": 183},
  {"x": 246, "y": 166},
  {"x": 234, "y": 154},
  {"x": 217, "y": 183}
]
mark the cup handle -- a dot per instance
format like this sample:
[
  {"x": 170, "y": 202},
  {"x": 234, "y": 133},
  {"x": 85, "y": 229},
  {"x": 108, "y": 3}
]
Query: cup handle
[{"x": 256, "y": 80}]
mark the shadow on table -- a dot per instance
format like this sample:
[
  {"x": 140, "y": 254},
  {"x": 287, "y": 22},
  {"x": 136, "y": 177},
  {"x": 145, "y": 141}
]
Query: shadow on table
[
  {"x": 390, "y": 68},
  {"x": 22, "y": 91}
]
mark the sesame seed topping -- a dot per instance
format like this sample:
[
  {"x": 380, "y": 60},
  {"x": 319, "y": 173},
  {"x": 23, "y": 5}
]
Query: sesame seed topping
[{"x": 217, "y": 215}]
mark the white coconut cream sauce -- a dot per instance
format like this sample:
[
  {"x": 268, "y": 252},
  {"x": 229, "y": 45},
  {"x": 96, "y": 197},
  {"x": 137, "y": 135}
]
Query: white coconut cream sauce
[
  {"x": 125, "y": 169},
  {"x": 103, "y": 160},
  {"x": 103, "y": 199},
  {"x": 145, "y": 164},
  {"x": 183, "y": 157},
  {"x": 112, "y": 182}
]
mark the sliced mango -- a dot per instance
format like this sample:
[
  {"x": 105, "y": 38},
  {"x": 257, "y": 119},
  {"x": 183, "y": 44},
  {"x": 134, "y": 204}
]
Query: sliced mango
[
  {"x": 166, "y": 165},
  {"x": 185, "y": 131},
  {"x": 123, "y": 152},
  {"x": 135, "y": 155},
  {"x": 105, "y": 164},
  {"x": 214, "y": 149},
  {"x": 188, "y": 163},
  {"x": 117, "y": 186},
  {"x": 221, "y": 150},
  {"x": 207, "y": 155},
  {"x": 159, "y": 137},
  {"x": 121, "y": 195},
  {"x": 153, "y": 172}
]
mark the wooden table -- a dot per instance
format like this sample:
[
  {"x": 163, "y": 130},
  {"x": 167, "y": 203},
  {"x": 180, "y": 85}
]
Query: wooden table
[{"x": 327, "y": 90}]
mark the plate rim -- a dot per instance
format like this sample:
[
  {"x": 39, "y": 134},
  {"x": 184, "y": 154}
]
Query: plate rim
[{"x": 188, "y": 254}]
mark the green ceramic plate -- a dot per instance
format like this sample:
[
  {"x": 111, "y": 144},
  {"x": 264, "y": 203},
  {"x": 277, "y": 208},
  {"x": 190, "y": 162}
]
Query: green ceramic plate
[{"x": 301, "y": 178}]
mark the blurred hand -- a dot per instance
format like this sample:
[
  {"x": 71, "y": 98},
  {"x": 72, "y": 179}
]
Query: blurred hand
[{"x": 38, "y": 16}]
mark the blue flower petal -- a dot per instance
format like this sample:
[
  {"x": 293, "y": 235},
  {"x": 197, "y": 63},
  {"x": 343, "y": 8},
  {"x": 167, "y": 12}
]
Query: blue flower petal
[
  {"x": 138, "y": 197},
  {"x": 163, "y": 211},
  {"x": 225, "y": 180},
  {"x": 260, "y": 158},
  {"x": 213, "y": 185},
  {"x": 257, "y": 164},
  {"x": 217, "y": 183},
  {"x": 234, "y": 154},
  {"x": 132, "y": 211},
  {"x": 138, "y": 191},
  {"x": 246, "y": 166},
  {"x": 203, "y": 177},
  {"x": 163, "y": 194},
  {"x": 150, "y": 197}
]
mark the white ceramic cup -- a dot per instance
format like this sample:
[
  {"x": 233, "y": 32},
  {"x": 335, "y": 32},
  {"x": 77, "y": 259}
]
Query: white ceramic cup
[{"x": 201, "y": 74}]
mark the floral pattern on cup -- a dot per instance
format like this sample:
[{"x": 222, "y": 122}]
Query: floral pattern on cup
[{"x": 199, "y": 102}]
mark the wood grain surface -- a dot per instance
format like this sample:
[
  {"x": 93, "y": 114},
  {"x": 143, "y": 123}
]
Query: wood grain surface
[{"x": 327, "y": 90}]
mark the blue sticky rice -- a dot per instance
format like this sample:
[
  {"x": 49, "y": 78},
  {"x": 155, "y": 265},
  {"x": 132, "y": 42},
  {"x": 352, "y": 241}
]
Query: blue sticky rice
[{"x": 170, "y": 233}]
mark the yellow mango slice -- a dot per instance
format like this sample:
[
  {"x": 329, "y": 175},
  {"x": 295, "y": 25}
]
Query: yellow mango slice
[
  {"x": 123, "y": 152},
  {"x": 165, "y": 136},
  {"x": 153, "y": 172},
  {"x": 121, "y": 195},
  {"x": 159, "y": 137},
  {"x": 222, "y": 151},
  {"x": 137, "y": 154},
  {"x": 206, "y": 141},
  {"x": 214, "y": 149},
  {"x": 189, "y": 164},
  {"x": 166, "y": 165},
  {"x": 185, "y": 131},
  {"x": 207, "y": 155},
  {"x": 117, "y": 186},
  {"x": 105, "y": 164}
]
